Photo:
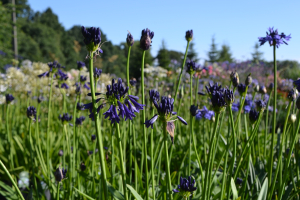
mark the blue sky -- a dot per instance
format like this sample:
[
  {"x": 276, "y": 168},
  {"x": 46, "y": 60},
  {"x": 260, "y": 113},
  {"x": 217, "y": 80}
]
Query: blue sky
[{"x": 232, "y": 22}]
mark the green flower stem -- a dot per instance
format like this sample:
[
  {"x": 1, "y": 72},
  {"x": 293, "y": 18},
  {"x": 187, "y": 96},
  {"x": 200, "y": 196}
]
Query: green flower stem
[
  {"x": 241, "y": 107},
  {"x": 70, "y": 159},
  {"x": 31, "y": 158},
  {"x": 11, "y": 179},
  {"x": 197, "y": 88},
  {"x": 180, "y": 76},
  {"x": 74, "y": 141},
  {"x": 169, "y": 185},
  {"x": 152, "y": 160},
  {"x": 274, "y": 121},
  {"x": 48, "y": 131},
  {"x": 135, "y": 159},
  {"x": 279, "y": 165},
  {"x": 289, "y": 159},
  {"x": 267, "y": 125},
  {"x": 112, "y": 158},
  {"x": 93, "y": 169},
  {"x": 248, "y": 144},
  {"x": 234, "y": 139},
  {"x": 122, "y": 161},
  {"x": 9, "y": 139},
  {"x": 37, "y": 133},
  {"x": 191, "y": 125},
  {"x": 206, "y": 184},
  {"x": 144, "y": 128},
  {"x": 127, "y": 69},
  {"x": 97, "y": 126},
  {"x": 58, "y": 187}
]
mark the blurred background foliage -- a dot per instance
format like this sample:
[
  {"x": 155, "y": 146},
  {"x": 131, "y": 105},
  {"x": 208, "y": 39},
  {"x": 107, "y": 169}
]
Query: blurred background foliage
[{"x": 42, "y": 38}]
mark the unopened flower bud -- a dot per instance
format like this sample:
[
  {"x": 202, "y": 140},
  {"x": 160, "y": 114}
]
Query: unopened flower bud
[
  {"x": 248, "y": 80},
  {"x": 82, "y": 166},
  {"x": 253, "y": 116},
  {"x": 262, "y": 89},
  {"x": 229, "y": 98},
  {"x": 60, "y": 174},
  {"x": 60, "y": 152},
  {"x": 292, "y": 95},
  {"x": 234, "y": 76},
  {"x": 256, "y": 88},
  {"x": 261, "y": 105},
  {"x": 271, "y": 87},
  {"x": 194, "y": 110},
  {"x": 129, "y": 39},
  {"x": 146, "y": 39},
  {"x": 189, "y": 35}
]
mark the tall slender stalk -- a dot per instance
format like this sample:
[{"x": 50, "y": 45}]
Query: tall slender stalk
[
  {"x": 12, "y": 180},
  {"x": 31, "y": 158},
  {"x": 180, "y": 76},
  {"x": 241, "y": 107},
  {"x": 122, "y": 161},
  {"x": 9, "y": 139},
  {"x": 48, "y": 131},
  {"x": 169, "y": 185},
  {"x": 152, "y": 160},
  {"x": 144, "y": 128},
  {"x": 191, "y": 125},
  {"x": 97, "y": 126},
  {"x": 267, "y": 125},
  {"x": 274, "y": 120}
]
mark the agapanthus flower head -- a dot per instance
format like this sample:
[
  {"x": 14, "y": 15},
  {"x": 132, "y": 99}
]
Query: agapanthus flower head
[
  {"x": 239, "y": 181},
  {"x": 82, "y": 79},
  {"x": 80, "y": 106},
  {"x": 129, "y": 39},
  {"x": 218, "y": 101},
  {"x": 146, "y": 39},
  {"x": 192, "y": 67},
  {"x": 212, "y": 88},
  {"x": 260, "y": 105},
  {"x": 292, "y": 95},
  {"x": 154, "y": 95},
  {"x": 78, "y": 89},
  {"x": 189, "y": 35},
  {"x": 79, "y": 120},
  {"x": 194, "y": 110},
  {"x": 80, "y": 65},
  {"x": 132, "y": 82},
  {"x": 248, "y": 80},
  {"x": 234, "y": 76},
  {"x": 65, "y": 118},
  {"x": 241, "y": 89},
  {"x": 229, "y": 97},
  {"x": 165, "y": 114},
  {"x": 9, "y": 98},
  {"x": 186, "y": 187},
  {"x": 82, "y": 166},
  {"x": 97, "y": 73},
  {"x": 92, "y": 39},
  {"x": 262, "y": 89},
  {"x": 253, "y": 116},
  {"x": 121, "y": 105},
  {"x": 60, "y": 174},
  {"x": 53, "y": 67},
  {"x": 271, "y": 87},
  {"x": 205, "y": 113},
  {"x": 31, "y": 113},
  {"x": 40, "y": 99},
  {"x": 93, "y": 138},
  {"x": 274, "y": 38}
]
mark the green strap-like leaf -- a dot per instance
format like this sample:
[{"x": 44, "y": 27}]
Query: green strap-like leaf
[
  {"x": 234, "y": 190},
  {"x": 116, "y": 193},
  {"x": 81, "y": 193},
  {"x": 264, "y": 191},
  {"x": 134, "y": 193}
]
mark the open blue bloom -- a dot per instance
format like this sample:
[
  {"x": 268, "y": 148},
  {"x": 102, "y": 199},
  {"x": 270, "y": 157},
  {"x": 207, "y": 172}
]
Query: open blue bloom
[
  {"x": 97, "y": 73},
  {"x": 65, "y": 118},
  {"x": 121, "y": 104},
  {"x": 79, "y": 120},
  {"x": 189, "y": 35},
  {"x": 274, "y": 38},
  {"x": 9, "y": 98},
  {"x": 80, "y": 65},
  {"x": 146, "y": 39},
  {"x": 92, "y": 39},
  {"x": 53, "y": 67},
  {"x": 31, "y": 113},
  {"x": 62, "y": 77},
  {"x": 205, "y": 113},
  {"x": 235, "y": 107},
  {"x": 192, "y": 67},
  {"x": 165, "y": 115},
  {"x": 154, "y": 95},
  {"x": 129, "y": 39},
  {"x": 186, "y": 187}
]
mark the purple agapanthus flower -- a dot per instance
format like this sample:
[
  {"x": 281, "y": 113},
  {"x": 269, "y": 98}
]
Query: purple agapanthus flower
[
  {"x": 274, "y": 38},
  {"x": 83, "y": 81},
  {"x": 53, "y": 67},
  {"x": 146, "y": 39},
  {"x": 79, "y": 120},
  {"x": 97, "y": 73},
  {"x": 235, "y": 107},
  {"x": 121, "y": 104},
  {"x": 31, "y": 113},
  {"x": 165, "y": 114},
  {"x": 129, "y": 39},
  {"x": 192, "y": 67},
  {"x": 80, "y": 65},
  {"x": 247, "y": 105},
  {"x": 9, "y": 98},
  {"x": 186, "y": 187},
  {"x": 205, "y": 113},
  {"x": 65, "y": 118},
  {"x": 217, "y": 97}
]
